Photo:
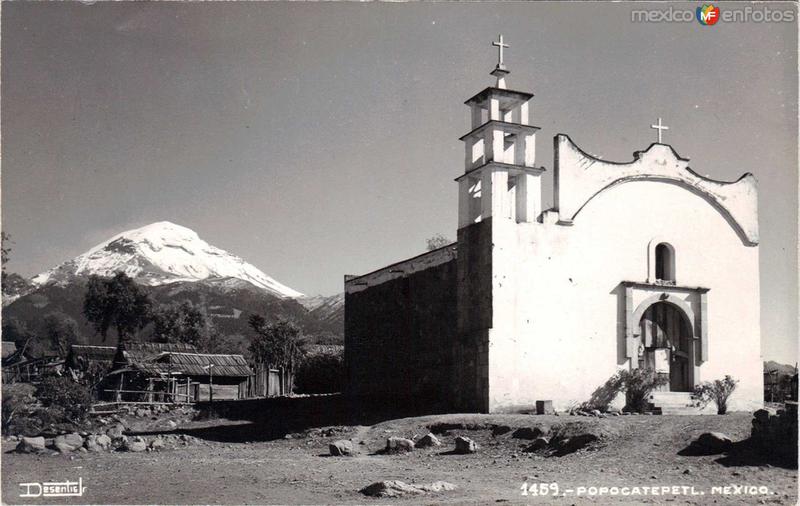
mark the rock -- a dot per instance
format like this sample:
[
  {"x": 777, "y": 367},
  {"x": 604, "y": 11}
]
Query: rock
[
  {"x": 540, "y": 443},
  {"x": 399, "y": 445},
  {"x": 396, "y": 488},
  {"x": 687, "y": 471},
  {"x": 392, "y": 488},
  {"x": 136, "y": 444},
  {"x": 157, "y": 444},
  {"x": 115, "y": 430},
  {"x": 438, "y": 486},
  {"x": 119, "y": 442},
  {"x": 762, "y": 415},
  {"x": 13, "y": 438},
  {"x": 68, "y": 442},
  {"x": 572, "y": 444},
  {"x": 427, "y": 441},
  {"x": 528, "y": 433},
  {"x": 83, "y": 450},
  {"x": 465, "y": 445},
  {"x": 341, "y": 448},
  {"x": 31, "y": 445},
  {"x": 714, "y": 441},
  {"x": 103, "y": 441},
  {"x": 595, "y": 412},
  {"x": 90, "y": 444}
]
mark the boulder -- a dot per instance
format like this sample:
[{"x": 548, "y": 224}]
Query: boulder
[
  {"x": 90, "y": 444},
  {"x": 465, "y": 445},
  {"x": 396, "y": 488},
  {"x": 427, "y": 441},
  {"x": 115, "y": 430},
  {"x": 392, "y": 488},
  {"x": 31, "y": 445},
  {"x": 136, "y": 444},
  {"x": 538, "y": 444},
  {"x": 103, "y": 440},
  {"x": 68, "y": 442},
  {"x": 341, "y": 448},
  {"x": 157, "y": 444},
  {"x": 438, "y": 486},
  {"x": 574, "y": 443},
  {"x": 399, "y": 445},
  {"x": 762, "y": 415},
  {"x": 714, "y": 441}
]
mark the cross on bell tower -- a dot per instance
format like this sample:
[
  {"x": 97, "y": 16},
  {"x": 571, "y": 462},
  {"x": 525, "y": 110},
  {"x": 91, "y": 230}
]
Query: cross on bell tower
[
  {"x": 500, "y": 71},
  {"x": 500, "y": 179}
]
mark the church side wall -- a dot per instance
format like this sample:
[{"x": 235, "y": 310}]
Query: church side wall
[
  {"x": 559, "y": 305},
  {"x": 474, "y": 298},
  {"x": 399, "y": 332}
]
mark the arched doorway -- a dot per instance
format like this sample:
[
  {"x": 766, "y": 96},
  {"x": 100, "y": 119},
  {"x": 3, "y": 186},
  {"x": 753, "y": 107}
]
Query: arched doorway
[{"x": 666, "y": 339}]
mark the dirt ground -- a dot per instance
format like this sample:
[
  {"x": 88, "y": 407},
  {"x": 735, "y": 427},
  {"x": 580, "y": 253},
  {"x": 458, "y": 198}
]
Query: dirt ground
[{"x": 229, "y": 463}]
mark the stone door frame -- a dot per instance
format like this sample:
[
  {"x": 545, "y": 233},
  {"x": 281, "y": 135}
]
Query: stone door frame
[{"x": 652, "y": 293}]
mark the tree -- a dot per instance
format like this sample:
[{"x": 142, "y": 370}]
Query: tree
[
  {"x": 277, "y": 344},
  {"x": 116, "y": 302},
  {"x": 184, "y": 323},
  {"x": 437, "y": 241},
  {"x": 61, "y": 331},
  {"x": 5, "y": 250},
  {"x": 717, "y": 391}
]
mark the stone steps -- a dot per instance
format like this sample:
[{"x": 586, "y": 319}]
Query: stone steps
[{"x": 673, "y": 403}]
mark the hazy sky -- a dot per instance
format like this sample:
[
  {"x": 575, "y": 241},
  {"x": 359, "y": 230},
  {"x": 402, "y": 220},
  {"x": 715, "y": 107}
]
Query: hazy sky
[{"x": 319, "y": 139}]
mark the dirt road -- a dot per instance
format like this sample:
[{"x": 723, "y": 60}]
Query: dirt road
[{"x": 223, "y": 467}]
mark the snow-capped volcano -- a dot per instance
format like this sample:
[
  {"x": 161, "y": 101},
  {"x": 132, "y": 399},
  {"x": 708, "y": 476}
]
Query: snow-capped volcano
[{"x": 162, "y": 253}]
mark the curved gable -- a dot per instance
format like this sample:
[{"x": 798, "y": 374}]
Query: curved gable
[{"x": 579, "y": 177}]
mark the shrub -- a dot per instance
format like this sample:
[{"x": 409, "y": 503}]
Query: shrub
[
  {"x": 604, "y": 395},
  {"x": 18, "y": 402},
  {"x": 638, "y": 384},
  {"x": 717, "y": 391},
  {"x": 64, "y": 398},
  {"x": 320, "y": 374}
]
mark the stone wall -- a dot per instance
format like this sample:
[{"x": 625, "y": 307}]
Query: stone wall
[
  {"x": 775, "y": 433},
  {"x": 400, "y": 326}
]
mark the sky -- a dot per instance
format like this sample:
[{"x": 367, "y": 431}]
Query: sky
[{"x": 321, "y": 139}]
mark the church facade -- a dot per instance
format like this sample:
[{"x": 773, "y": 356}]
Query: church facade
[{"x": 642, "y": 263}]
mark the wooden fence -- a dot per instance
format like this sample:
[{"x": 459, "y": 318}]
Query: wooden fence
[{"x": 266, "y": 382}]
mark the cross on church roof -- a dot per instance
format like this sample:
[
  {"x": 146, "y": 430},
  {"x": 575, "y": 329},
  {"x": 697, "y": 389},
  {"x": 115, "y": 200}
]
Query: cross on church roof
[
  {"x": 500, "y": 45},
  {"x": 660, "y": 128}
]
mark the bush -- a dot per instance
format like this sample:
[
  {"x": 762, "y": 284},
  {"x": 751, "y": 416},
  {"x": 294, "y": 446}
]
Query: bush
[
  {"x": 717, "y": 391},
  {"x": 64, "y": 398},
  {"x": 638, "y": 384},
  {"x": 320, "y": 374},
  {"x": 18, "y": 403}
]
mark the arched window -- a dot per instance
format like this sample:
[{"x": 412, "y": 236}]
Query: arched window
[{"x": 665, "y": 262}]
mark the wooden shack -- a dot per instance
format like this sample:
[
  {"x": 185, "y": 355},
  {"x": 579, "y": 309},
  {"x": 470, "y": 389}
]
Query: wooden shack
[{"x": 173, "y": 372}]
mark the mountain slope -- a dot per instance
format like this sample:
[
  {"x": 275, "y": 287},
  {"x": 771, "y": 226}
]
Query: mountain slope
[{"x": 158, "y": 254}]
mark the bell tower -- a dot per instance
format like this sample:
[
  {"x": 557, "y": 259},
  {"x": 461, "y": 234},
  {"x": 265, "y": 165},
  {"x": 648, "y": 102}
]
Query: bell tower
[{"x": 500, "y": 178}]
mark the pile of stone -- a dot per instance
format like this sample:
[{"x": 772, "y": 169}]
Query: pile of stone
[
  {"x": 399, "y": 445},
  {"x": 775, "y": 432},
  {"x": 113, "y": 439}
]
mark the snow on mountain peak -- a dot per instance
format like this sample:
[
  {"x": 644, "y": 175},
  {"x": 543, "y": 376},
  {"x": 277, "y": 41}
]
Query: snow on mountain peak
[{"x": 162, "y": 253}]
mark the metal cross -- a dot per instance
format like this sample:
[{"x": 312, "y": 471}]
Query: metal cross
[
  {"x": 499, "y": 44},
  {"x": 660, "y": 128}
]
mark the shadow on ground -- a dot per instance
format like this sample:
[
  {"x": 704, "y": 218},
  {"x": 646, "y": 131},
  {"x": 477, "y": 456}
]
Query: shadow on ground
[
  {"x": 273, "y": 418},
  {"x": 743, "y": 453}
]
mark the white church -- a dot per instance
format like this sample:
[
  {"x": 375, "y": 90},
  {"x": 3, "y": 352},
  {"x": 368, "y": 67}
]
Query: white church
[{"x": 641, "y": 263}]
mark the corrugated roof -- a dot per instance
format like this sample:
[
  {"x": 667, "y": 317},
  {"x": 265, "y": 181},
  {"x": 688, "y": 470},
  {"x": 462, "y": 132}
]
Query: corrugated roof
[
  {"x": 104, "y": 353},
  {"x": 138, "y": 352},
  {"x": 196, "y": 364}
]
